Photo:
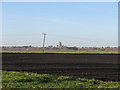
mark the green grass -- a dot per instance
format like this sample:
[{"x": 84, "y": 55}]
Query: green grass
[
  {"x": 12, "y": 79},
  {"x": 82, "y": 52}
]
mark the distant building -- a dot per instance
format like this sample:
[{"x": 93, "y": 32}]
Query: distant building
[{"x": 60, "y": 45}]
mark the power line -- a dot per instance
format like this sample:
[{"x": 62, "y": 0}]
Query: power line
[{"x": 44, "y": 34}]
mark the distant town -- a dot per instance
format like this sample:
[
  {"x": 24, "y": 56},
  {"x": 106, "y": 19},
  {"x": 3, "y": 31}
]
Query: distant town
[{"x": 59, "y": 47}]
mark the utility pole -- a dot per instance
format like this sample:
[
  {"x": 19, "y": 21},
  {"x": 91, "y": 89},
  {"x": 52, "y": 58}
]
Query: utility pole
[{"x": 44, "y": 34}]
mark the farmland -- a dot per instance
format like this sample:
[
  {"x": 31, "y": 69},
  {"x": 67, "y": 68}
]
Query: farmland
[
  {"x": 60, "y": 70},
  {"x": 98, "y": 66}
]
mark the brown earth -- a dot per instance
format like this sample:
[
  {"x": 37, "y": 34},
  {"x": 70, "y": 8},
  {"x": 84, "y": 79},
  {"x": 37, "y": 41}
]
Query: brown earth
[{"x": 99, "y": 66}]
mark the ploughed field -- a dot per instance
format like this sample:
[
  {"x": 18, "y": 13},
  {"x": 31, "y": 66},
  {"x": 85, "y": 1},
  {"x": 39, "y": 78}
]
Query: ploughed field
[{"x": 98, "y": 66}]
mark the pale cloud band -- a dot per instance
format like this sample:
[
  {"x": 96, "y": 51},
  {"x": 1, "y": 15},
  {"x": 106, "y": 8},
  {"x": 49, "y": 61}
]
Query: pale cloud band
[{"x": 60, "y": 0}]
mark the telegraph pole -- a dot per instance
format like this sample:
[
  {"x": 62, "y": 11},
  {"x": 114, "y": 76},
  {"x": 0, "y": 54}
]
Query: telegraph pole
[{"x": 44, "y": 34}]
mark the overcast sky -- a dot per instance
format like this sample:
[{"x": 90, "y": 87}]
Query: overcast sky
[{"x": 74, "y": 24}]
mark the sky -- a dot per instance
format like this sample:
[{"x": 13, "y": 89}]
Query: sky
[{"x": 81, "y": 24}]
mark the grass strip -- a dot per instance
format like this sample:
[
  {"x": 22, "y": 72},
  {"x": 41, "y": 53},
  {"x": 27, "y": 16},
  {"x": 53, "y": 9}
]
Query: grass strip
[{"x": 12, "y": 79}]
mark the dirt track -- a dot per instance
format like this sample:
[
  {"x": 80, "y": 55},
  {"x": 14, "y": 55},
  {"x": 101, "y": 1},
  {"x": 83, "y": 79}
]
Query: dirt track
[{"x": 104, "y": 67}]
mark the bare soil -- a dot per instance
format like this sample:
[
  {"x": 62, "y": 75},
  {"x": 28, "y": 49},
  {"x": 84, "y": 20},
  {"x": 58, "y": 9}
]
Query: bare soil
[{"x": 98, "y": 66}]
